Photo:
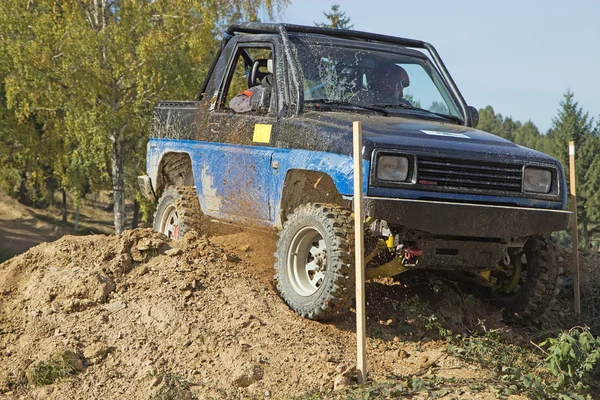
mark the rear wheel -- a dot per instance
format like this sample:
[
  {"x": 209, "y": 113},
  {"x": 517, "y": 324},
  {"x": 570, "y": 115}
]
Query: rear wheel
[
  {"x": 534, "y": 291},
  {"x": 178, "y": 211},
  {"x": 314, "y": 261}
]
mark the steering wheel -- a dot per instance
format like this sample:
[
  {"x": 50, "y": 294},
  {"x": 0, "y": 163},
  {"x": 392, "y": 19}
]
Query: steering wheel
[{"x": 256, "y": 75}]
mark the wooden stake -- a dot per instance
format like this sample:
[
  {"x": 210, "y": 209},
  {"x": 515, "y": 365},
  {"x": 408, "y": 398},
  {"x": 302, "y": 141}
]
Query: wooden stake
[
  {"x": 361, "y": 333},
  {"x": 574, "y": 235}
]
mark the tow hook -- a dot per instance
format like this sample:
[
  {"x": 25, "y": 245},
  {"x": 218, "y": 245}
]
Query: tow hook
[{"x": 411, "y": 256}]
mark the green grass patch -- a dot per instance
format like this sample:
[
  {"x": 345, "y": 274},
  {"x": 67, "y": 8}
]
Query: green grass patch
[
  {"x": 63, "y": 364},
  {"x": 174, "y": 387}
]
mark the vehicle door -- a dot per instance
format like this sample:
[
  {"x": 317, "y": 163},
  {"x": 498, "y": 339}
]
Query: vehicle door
[{"x": 236, "y": 177}]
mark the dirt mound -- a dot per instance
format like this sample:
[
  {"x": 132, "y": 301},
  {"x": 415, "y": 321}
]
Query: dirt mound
[{"x": 137, "y": 316}]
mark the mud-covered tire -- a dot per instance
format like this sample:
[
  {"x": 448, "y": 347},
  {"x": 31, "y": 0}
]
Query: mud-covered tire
[
  {"x": 316, "y": 236},
  {"x": 538, "y": 290},
  {"x": 177, "y": 212}
]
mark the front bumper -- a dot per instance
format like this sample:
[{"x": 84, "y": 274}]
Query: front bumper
[{"x": 474, "y": 220}]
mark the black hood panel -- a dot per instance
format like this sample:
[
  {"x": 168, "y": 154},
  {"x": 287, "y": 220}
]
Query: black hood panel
[{"x": 419, "y": 135}]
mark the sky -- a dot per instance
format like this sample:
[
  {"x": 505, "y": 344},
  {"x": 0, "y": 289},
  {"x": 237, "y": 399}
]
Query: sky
[{"x": 520, "y": 57}]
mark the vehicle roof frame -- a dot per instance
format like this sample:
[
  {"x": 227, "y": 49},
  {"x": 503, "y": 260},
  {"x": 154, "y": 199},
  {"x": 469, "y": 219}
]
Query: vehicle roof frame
[{"x": 283, "y": 29}]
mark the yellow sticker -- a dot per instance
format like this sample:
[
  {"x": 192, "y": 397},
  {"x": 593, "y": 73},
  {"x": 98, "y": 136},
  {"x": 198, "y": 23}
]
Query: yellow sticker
[{"x": 262, "y": 133}]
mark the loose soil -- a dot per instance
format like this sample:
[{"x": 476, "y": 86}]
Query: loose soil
[
  {"x": 149, "y": 318},
  {"x": 142, "y": 312}
]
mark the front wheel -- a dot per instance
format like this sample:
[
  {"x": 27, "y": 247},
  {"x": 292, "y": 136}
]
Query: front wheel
[
  {"x": 315, "y": 262},
  {"x": 177, "y": 212},
  {"x": 534, "y": 291}
]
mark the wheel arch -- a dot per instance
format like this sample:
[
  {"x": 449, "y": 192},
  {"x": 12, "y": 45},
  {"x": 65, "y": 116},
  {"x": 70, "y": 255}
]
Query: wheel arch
[
  {"x": 303, "y": 186},
  {"x": 174, "y": 169}
]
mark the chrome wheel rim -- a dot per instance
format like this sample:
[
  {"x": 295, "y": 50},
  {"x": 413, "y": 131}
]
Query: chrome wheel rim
[
  {"x": 169, "y": 224},
  {"x": 307, "y": 261}
]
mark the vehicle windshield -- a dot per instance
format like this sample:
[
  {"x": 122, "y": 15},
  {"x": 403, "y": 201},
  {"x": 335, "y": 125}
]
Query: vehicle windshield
[{"x": 366, "y": 77}]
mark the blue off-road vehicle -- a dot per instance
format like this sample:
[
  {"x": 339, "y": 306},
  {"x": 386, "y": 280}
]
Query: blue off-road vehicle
[{"x": 438, "y": 193}]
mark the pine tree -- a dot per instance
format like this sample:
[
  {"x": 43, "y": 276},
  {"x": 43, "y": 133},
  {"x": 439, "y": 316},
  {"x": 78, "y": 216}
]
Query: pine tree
[
  {"x": 573, "y": 124},
  {"x": 337, "y": 19}
]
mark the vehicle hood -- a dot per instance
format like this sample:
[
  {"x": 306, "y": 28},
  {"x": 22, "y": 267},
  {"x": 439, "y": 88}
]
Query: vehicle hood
[{"x": 425, "y": 136}]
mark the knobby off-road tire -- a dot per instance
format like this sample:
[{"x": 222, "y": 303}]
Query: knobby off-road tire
[
  {"x": 538, "y": 285},
  {"x": 178, "y": 211},
  {"x": 315, "y": 261}
]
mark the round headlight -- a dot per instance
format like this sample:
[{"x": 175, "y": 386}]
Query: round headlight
[
  {"x": 392, "y": 168},
  {"x": 537, "y": 180}
]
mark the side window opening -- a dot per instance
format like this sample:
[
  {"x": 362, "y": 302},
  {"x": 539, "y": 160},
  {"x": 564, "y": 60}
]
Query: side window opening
[{"x": 239, "y": 78}]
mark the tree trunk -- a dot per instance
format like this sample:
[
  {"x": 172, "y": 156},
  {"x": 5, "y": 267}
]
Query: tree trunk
[
  {"x": 118, "y": 180},
  {"x": 23, "y": 198},
  {"x": 136, "y": 214},
  {"x": 76, "y": 224},
  {"x": 64, "y": 205}
]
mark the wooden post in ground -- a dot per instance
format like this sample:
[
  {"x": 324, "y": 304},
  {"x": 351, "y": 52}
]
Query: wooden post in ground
[
  {"x": 575, "y": 236},
  {"x": 361, "y": 332}
]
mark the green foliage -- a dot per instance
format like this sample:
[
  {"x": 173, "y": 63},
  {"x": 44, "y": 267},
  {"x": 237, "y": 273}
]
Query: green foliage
[
  {"x": 46, "y": 373},
  {"x": 174, "y": 387},
  {"x": 571, "y": 359},
  {"x": 337, "y": 19},
  {"x": 419, "y": 317},
  {"x": 86, "y": 75},
  {"x": 563, "y": 374},
  {"x": 488, "y": 350},
  {"x": 526, "y": 134},
  {"x": 573, "y": 124}
]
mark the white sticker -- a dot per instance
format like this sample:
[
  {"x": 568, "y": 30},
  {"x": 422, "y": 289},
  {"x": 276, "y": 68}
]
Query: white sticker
[
  {"x": 571, "y": 150},
  {"x": 449, "y": 134}
]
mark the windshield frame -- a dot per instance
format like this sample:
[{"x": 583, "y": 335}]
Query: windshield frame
[{"x": 429, "y": 66}]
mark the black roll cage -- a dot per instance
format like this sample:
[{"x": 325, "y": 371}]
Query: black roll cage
[{"x": 283, "y": 29}]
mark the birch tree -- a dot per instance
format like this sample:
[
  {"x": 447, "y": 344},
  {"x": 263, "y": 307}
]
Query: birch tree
[{"x": 94, "y": 69}]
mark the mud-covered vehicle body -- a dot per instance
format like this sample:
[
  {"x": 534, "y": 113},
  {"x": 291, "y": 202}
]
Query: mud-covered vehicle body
[{"x": 437, "y": 192}]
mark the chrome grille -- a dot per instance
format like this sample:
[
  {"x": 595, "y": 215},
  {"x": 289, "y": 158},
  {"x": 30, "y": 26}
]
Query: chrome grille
[{"x": 469, "y": 175}]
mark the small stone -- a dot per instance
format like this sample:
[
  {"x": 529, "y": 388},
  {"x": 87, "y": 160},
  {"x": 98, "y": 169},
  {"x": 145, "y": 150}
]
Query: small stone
[
  {"x": 47, "y": 310},
  {"x": 95, "y": 352},
  {"x": 115, "y": 306},
  {"x": 396, "y": 339},
  {"x": 340, "y": 382},
  {"x": 143, "y": 245},
  {"x": 70, "y": 358},
  {"x": 156, "y": 380},
  {"x": 142, "y": 271},
  {"x": 403, "y": 354},
  {"x": 173, "y": 252},
  {"x": 248, "y": 376},
  {"x": 245, "y": 248},
  {"x": 229, "y": 257}
]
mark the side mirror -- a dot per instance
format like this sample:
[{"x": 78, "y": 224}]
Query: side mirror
[
  {"x": 261, "y": 99},
  {"x": 474, "y": 116}
]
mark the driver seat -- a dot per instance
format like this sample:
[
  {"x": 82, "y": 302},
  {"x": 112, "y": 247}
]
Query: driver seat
[{"x": 260, "y": 68}]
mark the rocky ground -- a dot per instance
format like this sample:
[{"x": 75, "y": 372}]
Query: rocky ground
[{"x": 137, "y": 316}]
